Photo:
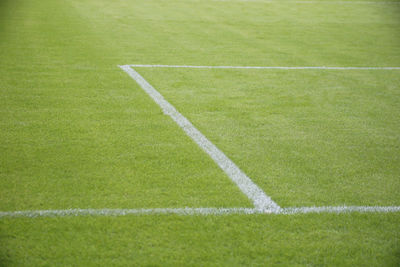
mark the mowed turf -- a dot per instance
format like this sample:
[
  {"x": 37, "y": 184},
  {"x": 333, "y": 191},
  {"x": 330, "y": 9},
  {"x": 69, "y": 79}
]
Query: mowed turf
[
  {"x": 235, "y": 240},
  {"x": 329, "y": 137},
  {"x": 77, "y": 132},
  {"x": 81, "y": 137}
]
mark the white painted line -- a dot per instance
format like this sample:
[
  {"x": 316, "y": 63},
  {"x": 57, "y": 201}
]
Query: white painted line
[
  {"x": 341, "y": 209},
  {"x": 312, "y": 2},
  {"x": 263, "y": 67},
  {"x": 263, "y": 204},
  {"x": 195, "y": 211},
  {"x": 123, "y": 212},
  {"x": 260, "y": 200},
  {"x": 340, "y": 2}
]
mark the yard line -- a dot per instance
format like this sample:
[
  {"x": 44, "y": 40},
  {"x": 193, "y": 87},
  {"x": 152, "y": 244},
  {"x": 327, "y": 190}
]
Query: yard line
[
  {"x": 196, "y": 211},
  {"x": 260, "y": 200},
  {"x": 265, "y": 67}
]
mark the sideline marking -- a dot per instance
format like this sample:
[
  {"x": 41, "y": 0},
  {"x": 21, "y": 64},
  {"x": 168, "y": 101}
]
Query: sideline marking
[
  {"x": 259, "y": 67},
  {"x": 260, "y": 200},
  {"x": 340, "y": 209},
  {"x": 195, "y": 211},
  {"x": 312, "y": 2}
]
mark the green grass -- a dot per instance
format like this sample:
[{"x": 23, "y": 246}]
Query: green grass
[
  {"x": 327, "y": 137},
  {"x": 312, "y": 240},
  {"x": 77, "y": 132}
]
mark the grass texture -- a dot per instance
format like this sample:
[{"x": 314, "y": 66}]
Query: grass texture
[
  {"x": 327, "y": 137},
  {"x": 77, "y": 132}
]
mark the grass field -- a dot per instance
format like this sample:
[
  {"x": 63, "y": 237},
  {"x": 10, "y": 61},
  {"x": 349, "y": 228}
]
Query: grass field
[{"x": 78, "y": 133}]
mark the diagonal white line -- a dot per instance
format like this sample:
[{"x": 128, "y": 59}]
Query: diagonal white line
[
  {"x": 196, "y": 211},
  {"x": 263, "y": 204},
  {"x": 265, "y": 67},
  {"x": 252, "y": 191}
]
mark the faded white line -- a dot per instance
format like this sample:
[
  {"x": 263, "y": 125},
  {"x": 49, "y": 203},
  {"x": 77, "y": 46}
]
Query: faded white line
[
  {"x": 196, "y": 211},
  {"x": 260, "y": 200},
  {"x": 264, "y": 67},
  {"x": 312, "y": 2},
  {"x": 341, "y": 209},
  {"x": 123, "y": 212},
  {"x": 340, "y": 2}
]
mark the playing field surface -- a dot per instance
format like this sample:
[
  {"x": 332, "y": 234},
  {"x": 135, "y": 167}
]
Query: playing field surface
[{"x": 207, "y": 132}]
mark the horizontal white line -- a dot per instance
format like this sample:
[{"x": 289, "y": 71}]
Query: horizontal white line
[
  {"x": 338, "y": 2},
  {"x": 123, "y": 212},
  {"x": 196, "y": 211},
  {"x": 341, "y": 209},
  {"x": 313, "y": 2},
  {"x": 265, "y": 67}
]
